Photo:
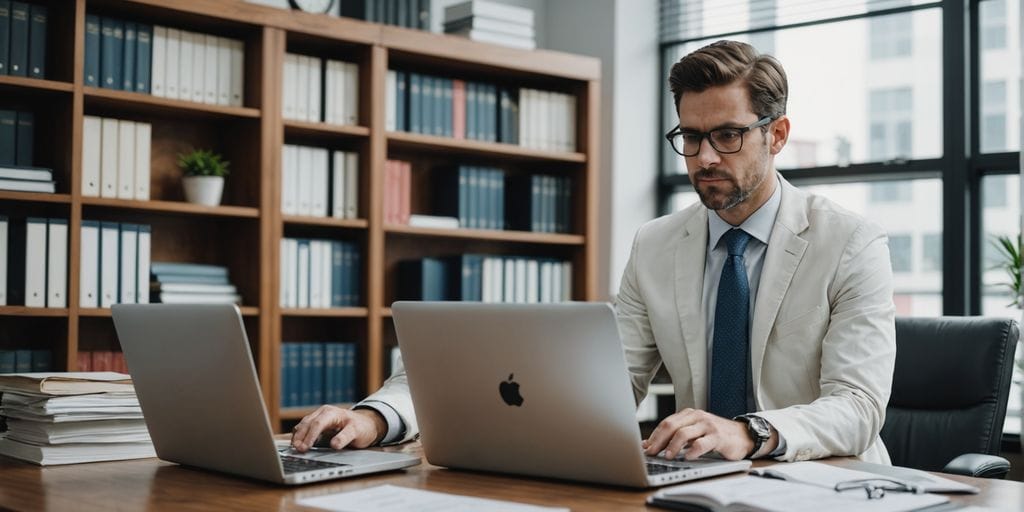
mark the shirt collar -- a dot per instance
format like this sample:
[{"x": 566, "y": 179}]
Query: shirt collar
[{"x": 758, "y": 225}]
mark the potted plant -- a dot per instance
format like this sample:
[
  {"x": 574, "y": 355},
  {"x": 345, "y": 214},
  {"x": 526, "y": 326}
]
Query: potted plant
[
  {"x": 1010, "y": 251},
  {"x": 204, "y": 176}
]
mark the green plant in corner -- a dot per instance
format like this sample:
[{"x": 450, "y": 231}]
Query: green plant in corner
[{"x": 203, "y": 162}]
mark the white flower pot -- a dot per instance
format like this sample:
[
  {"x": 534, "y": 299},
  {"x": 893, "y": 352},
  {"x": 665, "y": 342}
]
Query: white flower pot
[{"x": 204, "y": 190}]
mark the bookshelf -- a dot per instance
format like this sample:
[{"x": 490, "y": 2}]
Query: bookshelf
[{"x": 245, "y": 232}]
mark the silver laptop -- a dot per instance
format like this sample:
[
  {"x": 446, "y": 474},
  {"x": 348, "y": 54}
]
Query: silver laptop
[
  {"x": 537, "y": 390},
  {"x": 194, "y": 376}
]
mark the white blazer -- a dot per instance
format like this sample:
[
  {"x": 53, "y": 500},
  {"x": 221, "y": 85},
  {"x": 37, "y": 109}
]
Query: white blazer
[{"x": 823, "y": 335}]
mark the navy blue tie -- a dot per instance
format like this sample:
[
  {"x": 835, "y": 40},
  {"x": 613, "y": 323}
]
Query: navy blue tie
[{"x": 728, "y": 397}]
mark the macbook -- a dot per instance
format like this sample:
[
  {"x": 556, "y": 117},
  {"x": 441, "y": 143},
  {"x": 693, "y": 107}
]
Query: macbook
[
  {"x": 195, "y": 380},
  {"x": 530, "y": 389}
]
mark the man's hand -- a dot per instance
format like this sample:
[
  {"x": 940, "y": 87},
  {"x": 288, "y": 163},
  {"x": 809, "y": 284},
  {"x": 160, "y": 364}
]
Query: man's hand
[
  {"x": 361, "y": 428},
  {"x": 699, "y": 432}
]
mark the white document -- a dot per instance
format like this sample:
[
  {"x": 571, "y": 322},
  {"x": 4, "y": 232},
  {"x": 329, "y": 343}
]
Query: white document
[
  {"x": 314, "y": 107},
  {"x": 158, "y": 66},
  {"x": 185, "y": 56},
  {"x": 320, "y": 163},
  {"x": 570, "y": 117},
  {"x": 289, "y": 180},
  {"x": 237, "y": 51},
  {"x": 91, "y": 130},
  {"x": 223, "y": 71},
  {"x": 351, "y": 97},
  {"x": 305, "y": 175},
  {"x": 532, "y": 281},
  {"x": 291, "y": 278},
  {"x": 827, "y": 475},
  {"x": 302, "y": 72},
  {"x": 4, "y": 235},
  {"x": 110, "y": 239},
  {"x": 326, "y": 264},
  {"x": 35, "y": 262},
  {"x": 210, "y": 56},
  {"x": 282, "y": 284},
  {"x": 129, "y": 272},
  {"x": 351, "y": 185},
  {"x": 125, "y": 159},
  {"x": 288, "y": 83},
  {"x": 143, "y": 146},
  {"x": 171, "y": 63},
  {"x": 520, "y": 296},
  {"x": 393, "y": 498},
  {"x": 338, "y": 186},
  {"x": 332, "y": 87},
  {"x": 302, "y": 274},
  {"x": 57, "y": 264},
  {"x": 88, "y": 267},
  {"x": 142, "y": 262},
  {"x": 316, "y": 267},
  {"x": 198, "y": 67},
  {"x": 108, "y": 158}
]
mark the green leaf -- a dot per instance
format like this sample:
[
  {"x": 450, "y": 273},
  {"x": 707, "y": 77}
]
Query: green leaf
[{"x": 203, "y": 162}]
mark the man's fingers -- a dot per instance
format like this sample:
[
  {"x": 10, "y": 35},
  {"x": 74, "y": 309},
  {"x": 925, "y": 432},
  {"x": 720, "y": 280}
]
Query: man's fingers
[
  {"x": 344, "y": 437},
  {"x": 683, "y": 438}
]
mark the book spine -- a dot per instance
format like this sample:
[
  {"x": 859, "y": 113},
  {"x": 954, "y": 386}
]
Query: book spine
[
  {"x": 92, "y": 51},
  {"x": 172, "y": 52},
  {"x": 89, "y": 261},
  {"x": 186, "y": 48},
  {"x": 23, "y": 152},
  {"x": 35, "y": 262},
  {"x": 22, "y": 361},
  {"x": 8, "y": 136},
  {"x": 158, "y": 63},
  {"x": 198, "y": 65},
  {"x": 128, "y": 58},
  {"x": 210, "y": 52},
  {"x": 4, "y": 243},
  {"x": 57, "y": 263},
  {"x": 108, "y": 157},
  {"x": 237, "y": 51},
  {"x": 107, "y": 49},
  {"x": 415, "y": 99},
  {"x": 5, "y": 36},
  {"x": 143, "y": 57},
  {"x": 143, "y": 148},
  {"x": 37, "y": 41},
  {"x": 142, "y": 263},
  {"x": 18, "y": 56},
  {"x": 125, "y": 159}
]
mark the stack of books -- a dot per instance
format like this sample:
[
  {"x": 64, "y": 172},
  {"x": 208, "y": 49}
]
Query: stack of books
[
  {"x": 491, "y": 22},
  {"x": 17, "y": 147},
  {"x": 69, "y": 418},
  {"x": 191, "y": 283}
]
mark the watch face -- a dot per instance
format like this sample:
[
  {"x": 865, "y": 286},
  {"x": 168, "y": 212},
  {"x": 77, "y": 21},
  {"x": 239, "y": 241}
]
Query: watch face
[{"x": 315, "y": 6}]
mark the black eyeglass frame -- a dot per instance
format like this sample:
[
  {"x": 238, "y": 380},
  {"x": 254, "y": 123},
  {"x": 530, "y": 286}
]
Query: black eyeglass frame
[
  {"x": 671, "y": 134},
  {"x": 875, "y": 487}
]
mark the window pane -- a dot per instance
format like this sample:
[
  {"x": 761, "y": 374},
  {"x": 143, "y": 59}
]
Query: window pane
[
  {"x": 911, "y": 213},
  {"x": 1000, "y": 76},
  {"x": 1001, "y": 216},
  {"x": 846, "y": 107}
]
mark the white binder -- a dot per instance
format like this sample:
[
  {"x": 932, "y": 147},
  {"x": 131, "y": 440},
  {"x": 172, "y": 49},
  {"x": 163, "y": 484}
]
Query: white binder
[
  {"x": 129, "y": 254},
  {"x": 110, "y": 240},
  {"x": 57, "y": 264},
  {"x": 142, "y": 264},
  {"x": 89, "y": 266},
  {"x": 143, "y": 146},
  {"x": 35, "y": 262},
  {"x": 108, "y": 158},
  {"x": 158, "y": 66},
  {"x": 91, "y": 141},
  {"x": 126, "y": 160}
]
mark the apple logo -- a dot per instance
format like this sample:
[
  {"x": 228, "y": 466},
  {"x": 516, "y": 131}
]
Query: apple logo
[{"x": 509, "y": 391}]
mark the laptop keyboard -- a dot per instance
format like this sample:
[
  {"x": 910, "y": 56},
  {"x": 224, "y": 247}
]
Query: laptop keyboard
[
  {"x": 657, "y": 468},
  {"x": 299, "y": 464}
]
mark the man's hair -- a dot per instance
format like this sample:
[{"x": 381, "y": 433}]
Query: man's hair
[{"x": 722, "y": 63}]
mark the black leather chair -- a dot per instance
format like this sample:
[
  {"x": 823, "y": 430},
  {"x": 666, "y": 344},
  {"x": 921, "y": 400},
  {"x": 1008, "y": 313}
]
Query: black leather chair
[{"x": 949, "y": 394}]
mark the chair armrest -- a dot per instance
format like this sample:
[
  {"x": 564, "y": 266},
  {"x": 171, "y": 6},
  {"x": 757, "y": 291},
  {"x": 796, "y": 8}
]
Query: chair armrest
[{"x": 979, "y": 465}]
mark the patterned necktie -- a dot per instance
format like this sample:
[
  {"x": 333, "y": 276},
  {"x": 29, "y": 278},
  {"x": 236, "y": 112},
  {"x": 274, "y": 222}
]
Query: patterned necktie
[{"x": 731, "y": 339}]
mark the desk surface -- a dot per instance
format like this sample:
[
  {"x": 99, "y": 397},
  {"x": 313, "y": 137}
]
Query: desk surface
[{"x": 152, "y": 484}]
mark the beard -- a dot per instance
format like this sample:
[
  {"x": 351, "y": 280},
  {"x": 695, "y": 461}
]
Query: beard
[{"x": 730, "y": 192}]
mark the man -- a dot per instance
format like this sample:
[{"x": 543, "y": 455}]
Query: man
[
  {"x": 762, "y": 299},
  {"x": 771, "y": 308}
]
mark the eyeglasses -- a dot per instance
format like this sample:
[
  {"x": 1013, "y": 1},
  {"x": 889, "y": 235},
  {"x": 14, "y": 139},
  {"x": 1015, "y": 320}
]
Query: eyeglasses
[
  {"x": 875, "y": 487},
  {"x": 724, "y": 140}
]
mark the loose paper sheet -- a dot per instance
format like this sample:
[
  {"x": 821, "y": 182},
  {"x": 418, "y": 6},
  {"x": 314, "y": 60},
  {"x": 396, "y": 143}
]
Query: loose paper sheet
[{"x": 392, "y": 498}]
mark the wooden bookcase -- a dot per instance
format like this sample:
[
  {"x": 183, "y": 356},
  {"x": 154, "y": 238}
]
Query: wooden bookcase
[{"x": 245, "y": 232}]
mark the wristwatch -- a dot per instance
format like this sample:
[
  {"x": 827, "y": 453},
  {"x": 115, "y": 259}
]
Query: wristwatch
[{"x": 758, "y": 429}]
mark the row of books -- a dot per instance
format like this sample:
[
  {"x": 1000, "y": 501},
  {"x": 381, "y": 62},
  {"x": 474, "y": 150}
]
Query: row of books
[
  {"x": 491, "y": 22},
  {"x": 485, "y": 278},
  {"x": 23, "y": 39},
  {"x": 402, "y": 13},
  {"x": 314, "y": 373},
  {"x": 16, "y": 138},
  {"x": 447, "y": 107},
  {"x": 318, "y": 183},
  {"x": 34, "y": 262},
  {"x": 547, "y": 120},
  {"x": 115, "y": 262},
  {"x": 320, "y": 91},
  {"x": 26, "y": 360},
  {"x": 118, "y": 54},
  {"x": 192, "y": 283},
  {"x": 102, "y": 361},
  {"x": 116, "y": 158},
  {"x": 95, "y": 417},
  {"x": 320, "y": 273},
  {"x": 543, "y": 203}
]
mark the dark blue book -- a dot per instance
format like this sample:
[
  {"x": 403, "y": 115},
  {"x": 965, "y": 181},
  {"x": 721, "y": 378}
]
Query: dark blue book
[
  {"x": 403, "y": 17},
  {"x": 337, "y": 274},
  {"x": 423, "y": 279},
  {"x": 355, "y": 275},
  {"x": 506, "y": 120},
  {"x": 42, "y": 361},
  {"x": 390, "y": 11},
  {"x": 18, "y": 59},
  {"x": 471, "y": 122},
  {"x": 317, "y": 392},
  {"x": 424, "y": 14},
  {"x": 472, "y": 193},
  {"x": 111, "y": 52},
  {"x": 447, "y": 106},
  {"x": 330, "y": 374},
  {"x": 306, "y": 373},
  {"x": 492, "y": 113},
  {"x": 92, "y": 50},
  {"x": 439, "y": 122},
  {"x": 7, "y": 359},
  {"x": 158, "y": 268},
  {"x": 128, "y": 58},
  {"x": 38, "y": 15},
  {"x": 5, "y": 36},
  {"x": 295, "y": 374},
  {"x": 22, "y": 361},
  {"x": 427, "y": 105},
  {"x": 402, "y": 101},
  {"x": 143, "y": 57},
  {"x": 8, "y": 136},
  {"x": 284, "y": 375},
  {"x": 565, "y": 204},
  {"x": 415, "y": 99},
  {"x": 23, "y": 150},
  {"x": 348, "y": 361}
]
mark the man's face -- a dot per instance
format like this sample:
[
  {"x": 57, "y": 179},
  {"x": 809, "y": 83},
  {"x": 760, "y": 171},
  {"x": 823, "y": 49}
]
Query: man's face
[{"x": 725, "y": 180}]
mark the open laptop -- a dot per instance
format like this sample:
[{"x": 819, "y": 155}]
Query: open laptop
[
  {"x": 530, "y": 389},
  {"x": 194, "y": 376}
]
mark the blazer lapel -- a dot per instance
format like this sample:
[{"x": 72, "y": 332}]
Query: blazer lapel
[
  {"x": 690, "y": 253},
  {"x": 785, "y": 250}
]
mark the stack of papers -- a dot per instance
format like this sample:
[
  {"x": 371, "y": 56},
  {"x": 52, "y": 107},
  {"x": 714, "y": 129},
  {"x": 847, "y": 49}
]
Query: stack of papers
[
  {"x": 491, "y": 22},
  {"x": 69, "y": 418}
]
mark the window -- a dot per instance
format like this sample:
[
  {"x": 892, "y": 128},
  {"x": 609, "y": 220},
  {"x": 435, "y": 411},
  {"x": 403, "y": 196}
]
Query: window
[
  {"x": 891, "y": 114},
  {"x": 890, "y": 192},
  {"x": 890, "y": 36},
  {"x": 993, "y": 116},
  {"x": 931, "y": 252},
  {"x": 1000, "y": 80},
  {"x": 993, "y": 24}
]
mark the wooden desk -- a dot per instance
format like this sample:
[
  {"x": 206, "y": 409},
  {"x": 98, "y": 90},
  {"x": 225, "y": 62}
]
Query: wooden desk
[{"x": 151, "y": 484}]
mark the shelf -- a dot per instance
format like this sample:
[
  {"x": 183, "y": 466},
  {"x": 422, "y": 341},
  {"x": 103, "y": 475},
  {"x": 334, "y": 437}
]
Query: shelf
[
  {"x": 35, "y": 84},
  {"x": 297, "y": 413},
  {"x": 324, "y": 313},
  {"x": 148, "y": 103},
  {"x": 35, "y": 312},
  {"x": 34, "y": 197},
  {"x": 420, "y": 142},
  {"x": 304, "y": 128},
  {"x": 489, "y": 234},
  {"x": 105, "y": 312},
  {"x": 325, "y": 221},
  {"x": 177, "y": 207},
  {"x": 385, "y": 312}
]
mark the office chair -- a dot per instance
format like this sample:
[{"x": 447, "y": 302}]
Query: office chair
[{"x": 949, "y": 394}]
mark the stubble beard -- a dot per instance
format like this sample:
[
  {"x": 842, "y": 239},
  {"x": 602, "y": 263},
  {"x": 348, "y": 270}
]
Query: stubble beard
[{"x": 723, "y": 197}]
